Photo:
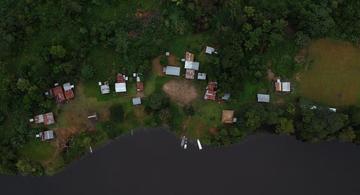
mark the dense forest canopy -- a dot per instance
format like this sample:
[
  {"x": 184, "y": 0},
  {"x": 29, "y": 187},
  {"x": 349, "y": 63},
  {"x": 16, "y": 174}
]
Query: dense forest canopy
[{"x": 47, "y": 41}]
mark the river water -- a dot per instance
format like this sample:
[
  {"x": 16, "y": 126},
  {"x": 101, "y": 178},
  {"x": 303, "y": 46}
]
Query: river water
[{"x": 152, "y": 162}]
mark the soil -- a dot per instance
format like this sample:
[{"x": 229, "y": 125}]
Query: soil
[
  {"x": 157, "y": 68},
  {"x": 270, "y": 75},
  {"x": 173, "y": 61},
  {"x": 180, "y": 91}
]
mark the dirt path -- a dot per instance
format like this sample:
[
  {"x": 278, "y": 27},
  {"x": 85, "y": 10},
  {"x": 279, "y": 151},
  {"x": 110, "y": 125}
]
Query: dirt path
[
  {"x": 180, "y": 91},
  {"x": 157, "y": 68}
]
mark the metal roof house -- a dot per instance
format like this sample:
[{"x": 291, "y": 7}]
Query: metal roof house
[
  {"x": 226, "y": 97},
  {"x": 285, "y": 86},
  {"x": 263, "y": 98},
  {"x": 211, "y": 91},
  {"x": 68, "y": 91},
  {"x": 192, "y": 65},
  {"x": 46, "y": 119},
  {"x": 189, "y": 56},
  {"x": 201, "y": 76},
  {"x": 46, "y": 135},
  {"x": 58, "y": 93},
  {"x": 172, "y": 70},
  {"x": 120, "y": 87},
  {"x": 136, "y": 101}
]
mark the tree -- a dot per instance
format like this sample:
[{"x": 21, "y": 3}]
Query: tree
[
  {"x": 157, "y": 101},
  {"x": 189, "y": 110},
  {"x": 87, "y": 72},
  {"x": 57, "y": 51},
  {"x": 347, "y": 135},
  {"x": 285, "y": 126}
]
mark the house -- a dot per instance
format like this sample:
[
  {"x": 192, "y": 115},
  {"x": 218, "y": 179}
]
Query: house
[
  {"x": 263, "y": 98},
  {"x": 104, "y": 88},
  {"x": 189, "y": 56},
  {"x": 46, "y": 119},
  {"x": 136, "y": 101},
  {"x": 210, "y": 93},
  {"x": 172, "y": 70},
  {"x": 58, "y": 94},
  {"x": 190, "y": 74},
  {"x": 68, "y": 91},
  {"x": 209, "y": 50},
  {"x": 120, "y": 85},
  {"x": 139, "y": 85},
  {"x": 226, "y": 97},
  {"x": 46, "y": 135},
  {"x": 278, "y": 85},
  {"x": 201, "y": 76},
  {"x": 282, "y": 86},
  {"x": 192, "y": 65},
  {"x": 228, "y": 117},
  {"x": 285, "y": 87}
]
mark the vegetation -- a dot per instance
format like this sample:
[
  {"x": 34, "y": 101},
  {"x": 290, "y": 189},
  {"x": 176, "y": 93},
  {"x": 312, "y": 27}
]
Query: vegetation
[{"x": 47, "y": 42}]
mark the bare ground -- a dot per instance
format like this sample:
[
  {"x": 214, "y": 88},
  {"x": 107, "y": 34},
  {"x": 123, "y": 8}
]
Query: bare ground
[{"x": 180, "y": 91}]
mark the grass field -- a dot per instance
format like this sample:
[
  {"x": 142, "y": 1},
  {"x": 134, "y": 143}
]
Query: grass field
[{"x": 333, "y": 78}]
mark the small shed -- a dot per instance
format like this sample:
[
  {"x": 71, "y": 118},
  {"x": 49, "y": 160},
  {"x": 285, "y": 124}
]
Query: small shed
[
  {"x": 136, "y": 101},
  {"x": 278, "y": 85},
  {"x": 265, "y": 98},
  {"x": 172, "y": 70},
  {"x": 192, "y": 65},
  {"x": 139, "y": 86},
  {"x": 211, "y": 91},
  {"x": 226, "y": 97},
  {"x": 201, "y": 76},
  {"x": 105, "y": 88},
  {"x": 227, "y": 117},
  {"x": 209, "y": 50}
]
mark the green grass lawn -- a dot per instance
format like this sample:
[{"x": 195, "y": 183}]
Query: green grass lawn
[
  {"x": 333, "y": 78},
  {"x": 38, "y": 151}
]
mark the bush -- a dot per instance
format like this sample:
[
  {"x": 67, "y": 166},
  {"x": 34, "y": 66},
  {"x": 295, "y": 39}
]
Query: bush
[
  {"x": 157, "y": 101},
  {"x": 116, "y": 113},
  {"x": 189, "y": 110},
  {"x": 87, "y": 72}
]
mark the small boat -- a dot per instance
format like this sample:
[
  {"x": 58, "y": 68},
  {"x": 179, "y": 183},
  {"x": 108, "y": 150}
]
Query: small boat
[
  {"x": 185, "y": 146},
  {"x": 199, "y": 144}
]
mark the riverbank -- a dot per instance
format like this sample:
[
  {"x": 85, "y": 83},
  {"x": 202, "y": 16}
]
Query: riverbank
[{"x": 152, "y": 162}]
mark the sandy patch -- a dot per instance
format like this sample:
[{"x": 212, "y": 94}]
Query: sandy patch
[{"x": 180, "y": 91}]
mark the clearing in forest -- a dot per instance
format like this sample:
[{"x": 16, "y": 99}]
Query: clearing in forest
[
  {"x": 180, "y": 91},
  {"x": 333, "y": 77}
]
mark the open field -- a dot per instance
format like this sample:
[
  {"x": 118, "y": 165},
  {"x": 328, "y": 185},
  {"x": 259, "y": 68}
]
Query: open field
[
  {"x": 180, "y": 91},
  {"x": 333, "y": 78}
]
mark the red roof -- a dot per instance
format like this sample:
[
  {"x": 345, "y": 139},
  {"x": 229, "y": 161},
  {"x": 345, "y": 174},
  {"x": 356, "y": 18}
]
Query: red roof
[
  {"x": 139, "y": 86},
  {"x": 58, "y": 93},
  {"x": 69, "y": 94},
  {"x": 210, "y": 93},
  {"x": 120, "y": 78}
]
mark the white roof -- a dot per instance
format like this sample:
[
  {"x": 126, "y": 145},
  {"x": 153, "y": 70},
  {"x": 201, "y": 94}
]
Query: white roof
[
  {"x": 209, "y": 50},
  {"x": 192, "y": 65},
  {"x": 136, "y": 101},
  {"x": 201, "y": 76},
  {"x": 285, "y": 86},
  {"x": 172, "y": 70},
  {"x": 263, "y": 98},
  {"x": 105, "y": 89},
  {"x": 47, "y": 135},
  {"x": 120, "y": 87},
  {"x": 67, "y": 86},
  {"x": 332, "y": 109}
]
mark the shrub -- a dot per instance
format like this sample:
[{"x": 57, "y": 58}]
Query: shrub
[{"x": 116, "y": 113}]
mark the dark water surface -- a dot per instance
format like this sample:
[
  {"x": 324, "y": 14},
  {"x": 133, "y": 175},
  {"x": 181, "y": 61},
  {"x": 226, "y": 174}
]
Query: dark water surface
[{"x": 152, "y": 162}]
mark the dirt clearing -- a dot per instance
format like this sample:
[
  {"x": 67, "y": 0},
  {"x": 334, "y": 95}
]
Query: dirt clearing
[{"x": 180, "y": 91}]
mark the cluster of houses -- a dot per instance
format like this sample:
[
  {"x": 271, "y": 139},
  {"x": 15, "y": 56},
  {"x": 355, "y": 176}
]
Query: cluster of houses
[
  {"x": 46, "y": 119},
  {"x": 62, "y": 93},
  {"x": 190, "y": 65},
  {"x": 120, "y": 86},
  {"x": 279, "y": 86}
]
